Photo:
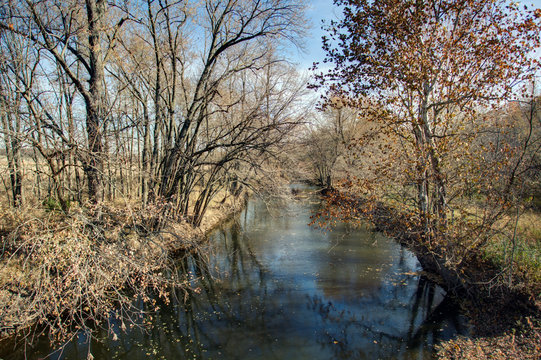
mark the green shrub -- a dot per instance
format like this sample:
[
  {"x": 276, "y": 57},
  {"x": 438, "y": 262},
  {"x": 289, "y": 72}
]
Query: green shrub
[{"x": 52, "y": 204}]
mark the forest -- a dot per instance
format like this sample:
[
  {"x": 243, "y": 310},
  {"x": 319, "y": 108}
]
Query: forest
[{"x": 132, "y": 128}]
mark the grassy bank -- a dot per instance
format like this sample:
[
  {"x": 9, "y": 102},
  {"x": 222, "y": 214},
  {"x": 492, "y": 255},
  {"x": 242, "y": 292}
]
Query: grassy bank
[
  {"x": 498, "y": 287},
  {"x": 507, "y": 326},
  {"x": 523, "y": 254},
  {"x": 61, "y": 273}
]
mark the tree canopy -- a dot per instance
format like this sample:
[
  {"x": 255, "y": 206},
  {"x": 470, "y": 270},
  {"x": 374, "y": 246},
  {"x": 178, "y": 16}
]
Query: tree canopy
[{"x": 428, "y": 72}]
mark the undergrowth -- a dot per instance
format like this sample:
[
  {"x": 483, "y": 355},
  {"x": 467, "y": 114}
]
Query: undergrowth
[
  {"x": 62, "y": 273},
  {"x": 523, "y": 258}
]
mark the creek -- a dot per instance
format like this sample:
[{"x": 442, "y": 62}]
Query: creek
[{"x": 275, "y": 288}]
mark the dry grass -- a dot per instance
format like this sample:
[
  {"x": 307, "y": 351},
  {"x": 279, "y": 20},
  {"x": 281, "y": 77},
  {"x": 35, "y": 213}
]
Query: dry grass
[
  {"x": 529, "y": 227},
  {"x": 63, "y": 272},
  {"x": 220, "y": 209},
  {"x": 526, "y": 269},
  {"x": 525, "y": 253},
  {"x": 522, "y": 342}
]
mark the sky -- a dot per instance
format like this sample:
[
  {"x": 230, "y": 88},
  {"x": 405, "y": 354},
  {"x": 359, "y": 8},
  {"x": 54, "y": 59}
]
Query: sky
[
  {"x": 324, "y": 10},
  {"x": 318, "y": 11}
]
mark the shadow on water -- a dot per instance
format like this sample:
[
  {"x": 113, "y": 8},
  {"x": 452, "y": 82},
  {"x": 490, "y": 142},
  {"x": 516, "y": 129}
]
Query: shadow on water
[{"x": 275, "y": 288}]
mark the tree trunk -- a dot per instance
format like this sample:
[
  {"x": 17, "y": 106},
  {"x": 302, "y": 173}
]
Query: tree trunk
[
  {"x": 95, "y": 104},
  {"x": 14, "y": 162}
]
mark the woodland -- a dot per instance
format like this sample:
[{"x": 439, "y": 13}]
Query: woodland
[{"x": 130, "y": 128}]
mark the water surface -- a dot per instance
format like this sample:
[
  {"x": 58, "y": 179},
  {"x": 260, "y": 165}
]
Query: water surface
[{"x": 275, "y": 288}]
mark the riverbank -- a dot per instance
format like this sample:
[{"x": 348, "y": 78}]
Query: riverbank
[
  {"x": 523, "y": 342},
  {"x": 506, "y": 316},
  {"x": 62, "y": 273}
]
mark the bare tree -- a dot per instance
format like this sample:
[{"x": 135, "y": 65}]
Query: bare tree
[
  {"x": 72, "y": 35},
  {"x": 233, "y": 26},
  {"x": 13, "y": 64},
  {"x": 327, "y": 140}
]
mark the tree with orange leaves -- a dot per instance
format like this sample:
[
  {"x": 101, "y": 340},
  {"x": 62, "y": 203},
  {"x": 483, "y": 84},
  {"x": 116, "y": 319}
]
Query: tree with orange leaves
[{"x": 428, "y": 68}]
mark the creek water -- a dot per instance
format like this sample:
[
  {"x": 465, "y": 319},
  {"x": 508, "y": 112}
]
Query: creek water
[{"x": 276, "y": 288}]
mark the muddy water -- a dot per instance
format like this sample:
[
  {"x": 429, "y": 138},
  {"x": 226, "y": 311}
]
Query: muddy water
[{"x": 275, "y": 288}]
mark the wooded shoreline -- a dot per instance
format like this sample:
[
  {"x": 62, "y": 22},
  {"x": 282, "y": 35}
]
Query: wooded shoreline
[
  {"x": 130, "y": 129},
  {"x": 506, "y": 320},
  {"x": 158, "y": 250}
]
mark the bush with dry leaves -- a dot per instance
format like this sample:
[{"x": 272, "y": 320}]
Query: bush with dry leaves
[{"x": 63, "y": 273}]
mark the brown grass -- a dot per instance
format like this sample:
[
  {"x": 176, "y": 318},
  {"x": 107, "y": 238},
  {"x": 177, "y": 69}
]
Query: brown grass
[
  {"x": 64, "y": 272},
  {"x": 522, "y": 342},
  {"x": 526, "y": 255}
]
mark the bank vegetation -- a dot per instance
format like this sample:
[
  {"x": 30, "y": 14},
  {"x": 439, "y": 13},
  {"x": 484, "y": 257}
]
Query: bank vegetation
[
  {"x": 130, "y": 127},
  {"x": 444, "y": 152}
]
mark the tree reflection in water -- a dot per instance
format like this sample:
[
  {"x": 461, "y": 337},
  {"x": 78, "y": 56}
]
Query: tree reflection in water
[{"x": 275, "y": 288}]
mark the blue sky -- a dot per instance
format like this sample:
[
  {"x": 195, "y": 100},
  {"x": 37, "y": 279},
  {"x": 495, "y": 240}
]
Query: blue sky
[
  {"x": 318, "y": 10},
  {"x": 325, "y": 10}
]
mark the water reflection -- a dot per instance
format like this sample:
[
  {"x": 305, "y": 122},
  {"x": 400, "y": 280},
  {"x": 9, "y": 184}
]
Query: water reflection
[{"x": 275, "y": 288}]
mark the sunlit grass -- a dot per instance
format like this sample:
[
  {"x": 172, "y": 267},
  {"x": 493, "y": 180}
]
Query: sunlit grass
[{"x": 527, "y": 248}]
